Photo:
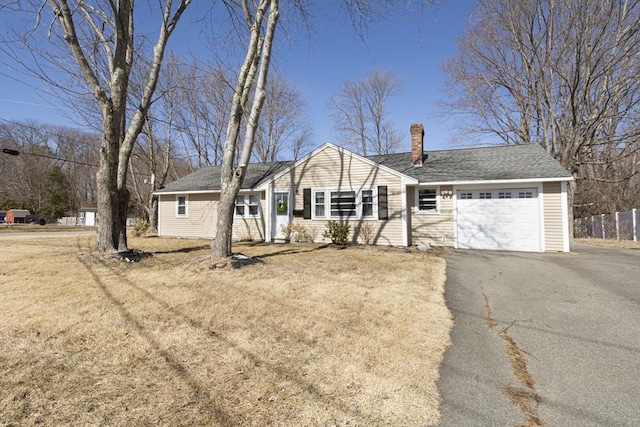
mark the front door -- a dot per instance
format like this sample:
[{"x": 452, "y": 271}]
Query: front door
[{"x": 280, "y": 213}]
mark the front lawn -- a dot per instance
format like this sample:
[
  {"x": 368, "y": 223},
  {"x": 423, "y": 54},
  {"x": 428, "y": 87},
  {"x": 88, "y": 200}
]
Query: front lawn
[{"x": 307, "y": 336}]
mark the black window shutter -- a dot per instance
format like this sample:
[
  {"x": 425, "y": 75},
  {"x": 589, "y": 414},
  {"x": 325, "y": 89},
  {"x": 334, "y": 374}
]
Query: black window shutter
[
  {"x": 383, "y": 212},
  {"x": 306, "y": 193}
]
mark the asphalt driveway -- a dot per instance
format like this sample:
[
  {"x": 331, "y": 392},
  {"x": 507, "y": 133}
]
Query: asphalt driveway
[{"x": 543, "y": 339}]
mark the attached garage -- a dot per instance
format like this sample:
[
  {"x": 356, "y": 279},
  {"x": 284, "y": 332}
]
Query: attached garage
[{"x": 500, "y": 219}]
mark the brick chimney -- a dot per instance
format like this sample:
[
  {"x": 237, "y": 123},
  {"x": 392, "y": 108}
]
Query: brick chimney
[{"x": 417, "y": 147}]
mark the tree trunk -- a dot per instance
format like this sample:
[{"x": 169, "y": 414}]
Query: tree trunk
[
  {"x": 153, "y": 215},
  {"x": 221, "y": 245},
  {"x": 258, "y": 58},
  {"x": 106, "y": 179},
  {"x": 121, "y": 221}
]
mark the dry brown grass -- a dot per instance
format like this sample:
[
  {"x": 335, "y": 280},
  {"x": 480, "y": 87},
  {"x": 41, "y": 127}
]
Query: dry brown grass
[
  {"x": 624, "y": 244},
  {"x": 312, "y": 336},
  {"x": 22, "y": 228}
]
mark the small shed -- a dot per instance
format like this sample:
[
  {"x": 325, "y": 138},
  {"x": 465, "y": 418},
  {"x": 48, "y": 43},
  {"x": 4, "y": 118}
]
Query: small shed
[
  {"x": 88, "y": 216},
  {"x": 16, "y": 216}
]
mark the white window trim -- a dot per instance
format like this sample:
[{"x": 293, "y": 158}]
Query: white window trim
[
  {"x": 246, "y": 206},
  {"x": 314, "y": 204},
  {"x": 417, "y": 202},
  {"x": 327, "y": 204},
  {"x": 186, "y": 206}
]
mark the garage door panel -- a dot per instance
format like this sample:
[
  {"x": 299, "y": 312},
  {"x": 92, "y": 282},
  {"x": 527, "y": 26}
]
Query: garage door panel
[{"x": 497, "y": 221}]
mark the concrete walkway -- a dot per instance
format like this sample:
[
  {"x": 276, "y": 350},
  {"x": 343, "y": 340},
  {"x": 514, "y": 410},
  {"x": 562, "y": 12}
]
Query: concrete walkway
[{"x": 549, "y": 339}]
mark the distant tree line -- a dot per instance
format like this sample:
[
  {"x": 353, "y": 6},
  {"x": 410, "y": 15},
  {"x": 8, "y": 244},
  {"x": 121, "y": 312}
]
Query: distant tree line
[{"x": 37, "y": 179}]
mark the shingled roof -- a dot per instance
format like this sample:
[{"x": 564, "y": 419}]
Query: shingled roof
[
  {"x": 208, "y": 179},
  {"x": 502, "y": 162}
]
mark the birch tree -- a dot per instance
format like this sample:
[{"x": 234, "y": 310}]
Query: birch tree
[
  {"x": 261, "y": 20},
  {"x": 562, "y": 73}
]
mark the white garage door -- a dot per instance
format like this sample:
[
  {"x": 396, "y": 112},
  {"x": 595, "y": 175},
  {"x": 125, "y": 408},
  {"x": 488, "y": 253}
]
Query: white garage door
[{"x": 498, "y": 219}]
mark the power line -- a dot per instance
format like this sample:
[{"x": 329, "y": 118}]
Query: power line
[{"x": 16, "y": 152}]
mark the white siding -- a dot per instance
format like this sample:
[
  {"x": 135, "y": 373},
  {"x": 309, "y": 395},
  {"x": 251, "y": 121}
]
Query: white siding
[
  {"x": 201, "y": 219},
  {"x": 434, "y": 229},
  {"x": 553, "y": 217},
  {"x": 332, "y": 169}
]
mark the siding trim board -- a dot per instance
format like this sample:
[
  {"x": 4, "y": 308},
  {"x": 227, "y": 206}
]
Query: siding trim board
[
  {"x": 496, "y": 181},
  {"x": 565, "y": 217}
]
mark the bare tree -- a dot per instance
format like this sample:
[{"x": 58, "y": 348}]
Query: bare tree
[
  {"x": 46, "y": 150},
  {"x": 202, "y": 108},
  {"x": 79, "y": 153},
  {"x": 561, "y": 73},
  {"x": 359, "y": 111},
  {"x": 260, "y": 20},
  {"x": 152, "y": 157},
  {"x": 23, "y": 183},
  {"x": 283, "y": 124},
  {"x": 100, "y": 38}
]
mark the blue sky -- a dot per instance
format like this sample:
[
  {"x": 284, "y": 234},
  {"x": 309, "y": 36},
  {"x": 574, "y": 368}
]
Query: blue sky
[{"x": 414, "y": 46}]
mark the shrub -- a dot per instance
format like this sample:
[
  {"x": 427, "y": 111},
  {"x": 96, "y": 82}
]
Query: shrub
[
  {"x": 298, "y": 233},
  {"x": 367, "y": 232},
  {"x": 337, "y": 232},
  {"x": 140, "y": 227}
]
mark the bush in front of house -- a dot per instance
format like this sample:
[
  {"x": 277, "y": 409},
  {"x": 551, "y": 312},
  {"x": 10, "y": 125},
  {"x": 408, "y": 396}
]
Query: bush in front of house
[
  {"x": 298, "y": 233},
  {"x": 140, "y": 227},
  {"x": 338, "y": 233}
]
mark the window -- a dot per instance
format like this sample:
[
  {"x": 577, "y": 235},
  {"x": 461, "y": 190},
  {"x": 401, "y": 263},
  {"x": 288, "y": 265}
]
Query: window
[
  {"x": 427, "y": 200},
  {"x": 332, "y": 203},
  {"x": 525, "y": 195},
  {"x": 367, "y": 203},
  {"x": 240, "y": 205},
  {"x": 466, "y": 196},
  {"x": 485, "y": 195},
  {"x": 254, "y": 204},
  {"x": 319, "y": 204},
  {"x": 504, "y": 195},
  {"x": 247, "y": 205},
  {"x": 343, "y": 203},
  {"x": 181, "y": 206}
]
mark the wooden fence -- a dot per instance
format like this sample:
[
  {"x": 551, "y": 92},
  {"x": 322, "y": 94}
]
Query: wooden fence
[{"x": 618, "y": 226}]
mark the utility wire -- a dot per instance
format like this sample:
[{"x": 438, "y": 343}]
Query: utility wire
[{"x": 16, "y": 152}]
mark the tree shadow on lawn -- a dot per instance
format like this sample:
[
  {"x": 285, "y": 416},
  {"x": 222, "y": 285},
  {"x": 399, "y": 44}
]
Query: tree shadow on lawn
[
  {"x": 182, "y": 250},
  {"x": 220, "y": 413}
]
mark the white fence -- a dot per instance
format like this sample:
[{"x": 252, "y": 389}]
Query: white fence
[
  {"x": 77, "y": 221},
  {"x": 618, "y": 226}
]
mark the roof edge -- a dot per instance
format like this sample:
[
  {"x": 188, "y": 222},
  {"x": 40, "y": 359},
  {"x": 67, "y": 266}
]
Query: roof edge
[{"x": 497, "y": 181}]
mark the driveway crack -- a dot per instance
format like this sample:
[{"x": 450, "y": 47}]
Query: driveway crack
[{"x": 528, "y": 399}]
